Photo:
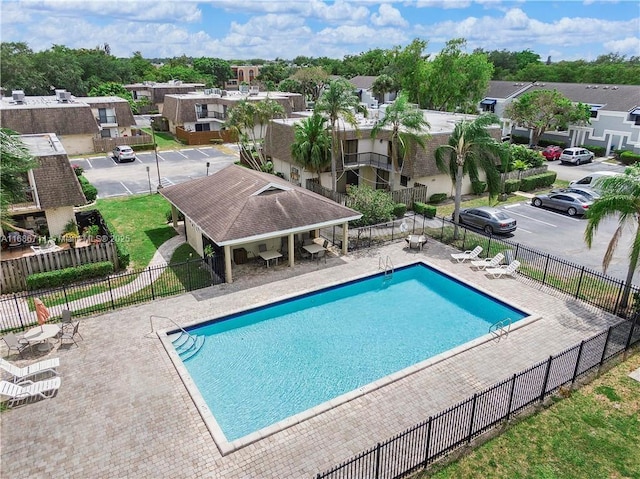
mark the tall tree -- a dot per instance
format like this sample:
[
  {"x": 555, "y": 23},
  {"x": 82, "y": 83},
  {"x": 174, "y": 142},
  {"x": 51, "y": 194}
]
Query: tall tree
[
  {"x": 383, "y": 84},
  {"x": 338, "y": 101},
  {"x": 311, "y": 148},
  {"x": 471, "y": 148},
  {"x": 620, "y": 198},
  {"x": 16, "y": 162},
  {"x": 546, "y": 110},
  {"x": 249, "y": 119},
  {"x": 312, "y": 80},
  {"x": 408, "y": 127},
  {"x": 408, "y": 68},
  {"x": 115, "y": 89},
  {"x": 455, "y": 80}
]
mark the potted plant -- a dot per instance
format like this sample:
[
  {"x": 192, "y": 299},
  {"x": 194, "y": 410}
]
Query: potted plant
[{"x": 91, "y": 232}]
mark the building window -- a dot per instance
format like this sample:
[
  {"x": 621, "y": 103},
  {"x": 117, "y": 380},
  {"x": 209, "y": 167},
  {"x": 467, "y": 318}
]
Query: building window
[
  {"x": 404, "y": 180},
  {"x": 488, "y": 105},
  {"x": 203, "y": 127}
]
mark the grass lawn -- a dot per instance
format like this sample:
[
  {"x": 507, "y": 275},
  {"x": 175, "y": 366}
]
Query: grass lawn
[
  {"x": 139, "y": 222},
  {"x": 595, "y": 433},
  {"x": 164, "y": 139}
]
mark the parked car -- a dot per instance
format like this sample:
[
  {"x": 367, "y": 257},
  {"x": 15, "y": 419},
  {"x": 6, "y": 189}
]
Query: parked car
[
  {"x": 588, "y": 193},
  {"x": 123, "y": 153},
  {"x": 576, "y": 156},
  {"x": 591, "y": 179},
  {"x": 552, "y": 152},
  {"x": 490, "y": 220},
  {"x": 572, "y": 203}
]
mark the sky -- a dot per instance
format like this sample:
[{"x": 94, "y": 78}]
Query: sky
[{"x": 269, "y": 29}]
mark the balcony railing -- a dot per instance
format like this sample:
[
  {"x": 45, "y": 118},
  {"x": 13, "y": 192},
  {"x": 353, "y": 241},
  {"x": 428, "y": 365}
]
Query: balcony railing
[
  {"x": 106, "y": 119},
  {"x": 211, "y": 114},
  {"x": 376, "y": 160}
]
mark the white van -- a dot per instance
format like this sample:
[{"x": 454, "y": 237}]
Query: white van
[{"x": 589, "y": 180}]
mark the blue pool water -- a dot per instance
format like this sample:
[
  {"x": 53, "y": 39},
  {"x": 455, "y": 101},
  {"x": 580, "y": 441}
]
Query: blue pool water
[{"x": 266, "y": 364}]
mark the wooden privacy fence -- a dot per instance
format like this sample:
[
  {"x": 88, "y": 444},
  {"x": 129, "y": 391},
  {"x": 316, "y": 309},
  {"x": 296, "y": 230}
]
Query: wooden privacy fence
[
  {"x": 14, "y": 272},
  {"x": 103, "y": 145},
  {"x": 205, "y": 137},
  {"x": 407, "y": 195}
]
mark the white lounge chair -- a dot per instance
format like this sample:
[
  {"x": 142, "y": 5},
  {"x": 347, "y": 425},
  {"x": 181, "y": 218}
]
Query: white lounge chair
[
  {"x": 470, "y": 254},
  {"x": 488, "y": 262},
  {"x": 508, "y": 270},
  {"x": 28, "y": 389},
  {"x": 20, "y": 374}
]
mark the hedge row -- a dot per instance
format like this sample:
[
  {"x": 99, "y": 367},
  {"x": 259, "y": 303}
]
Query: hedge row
[
  {"x": 543, "y": 180},
  {"x": 62, "y": 277},
  {"x": 595, "y": 149},
  {"x": 90, "y": 191},
  {"x": 399, "y": 209},
  {"x": 511, "y": 186},
  {"x": 544, "y": 143},
  {"x": 629, "y": 158},
  {"x": 437, "y": 197},
  {"x": 143, "y": 147},
  {"x": 428, "y": 211}
]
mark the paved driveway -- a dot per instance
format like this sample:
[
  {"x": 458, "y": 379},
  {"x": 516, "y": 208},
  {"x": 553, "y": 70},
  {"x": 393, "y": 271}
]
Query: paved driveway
[{"x": 144, "y": 174}]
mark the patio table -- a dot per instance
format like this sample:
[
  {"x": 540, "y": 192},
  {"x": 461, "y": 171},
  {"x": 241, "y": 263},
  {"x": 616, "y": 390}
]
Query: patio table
[
  {"x": 42, "y": 334},
  {"x": 269, "y": 255},
  {"x": 313, "y": 248}
]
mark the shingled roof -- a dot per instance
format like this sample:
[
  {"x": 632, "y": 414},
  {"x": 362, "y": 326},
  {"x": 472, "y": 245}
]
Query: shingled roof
[
  {"x": 56, "y": 183},
  {"x": 237, "y": 205}
]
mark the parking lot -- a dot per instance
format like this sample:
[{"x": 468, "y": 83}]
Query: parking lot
[{"x": 144, "y": 174}]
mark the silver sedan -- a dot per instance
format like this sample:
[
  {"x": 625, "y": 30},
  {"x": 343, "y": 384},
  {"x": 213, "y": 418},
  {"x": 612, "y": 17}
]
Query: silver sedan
[{"x": 572, "y": 203}]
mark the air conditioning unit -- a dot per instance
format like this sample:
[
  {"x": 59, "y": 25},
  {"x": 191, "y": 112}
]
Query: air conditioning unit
[
  {"x": 63, "y": 96},
  {"x": 244, "y": 89},
  {"x": 254, "y": 90},
  {"x": 208, "y": 91},
  {"x": 216, "y": 91},
  {"x": 224, "y": 93},
  {"x": 18, "y": 96}
]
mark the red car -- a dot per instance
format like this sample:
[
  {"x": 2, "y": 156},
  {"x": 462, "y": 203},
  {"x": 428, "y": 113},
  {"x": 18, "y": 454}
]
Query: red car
[{"x": 552, "y": 152}]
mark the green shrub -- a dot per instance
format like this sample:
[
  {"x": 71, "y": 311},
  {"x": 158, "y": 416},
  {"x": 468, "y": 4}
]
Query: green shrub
[
  {"x": 62, "y": 277},
  {"x": 478, "y": 187},
  {"x": 531, "y": 183},
  {"x": 90, "y": 191},
  {"x": 376, "y": 206},
  {"x": 596, "y": 150},
  {"x": 399, "y": 209},
  {"x": 124, "y": 257},
  {"x": 544, "y": 143},
  {"x": 143, "y": 147},
  {"x": 617, "y": 153},
  {"x": 429, "y": 211},
  {"x": 629, "y": 158},
  {"x": 511, "y": 186},
  {"x": 437, "y": 198},
  {"x": 78, "y": 170},
  {"x": 216, "y": 141},
  {"x": 170, "y": 219}
]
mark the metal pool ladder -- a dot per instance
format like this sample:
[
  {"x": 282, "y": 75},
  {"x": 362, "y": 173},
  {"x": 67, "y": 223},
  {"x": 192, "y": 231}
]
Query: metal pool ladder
[
  {"x": 386, "y": 265},
  {"x": 185, "y": 344},
  {"x": 500, "y": 329}
]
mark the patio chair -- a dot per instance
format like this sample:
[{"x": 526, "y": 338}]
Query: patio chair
[
  {"x": 488, "y": 262},
  {"x": 71, "y": 334},
  {"x": 321, "y": 254},
  {"x": 469, "y": 254},
  {"x": 65, "y": 322},
  {"x": 29, "y": 389},
  {"x": 19, "y": 374},
  {"x": 304, "y": 254},
  {"x": 325, "y": 244},
  {"x": 15, "y": 342},
  {"x": 509, "y": 270}
]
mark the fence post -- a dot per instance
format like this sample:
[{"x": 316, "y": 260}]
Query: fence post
[
  {"x": 189, "y": 273},
  {"x": 546, "y": 379},
  {"x": 575, "y": 370},
  {"x": 617, "y": 305},
  {"x": 473, "y": 417},
  {"x": 426, "y": 449},
  {"x": 15, "y": 299},
  {"x": 153, "y": 293},
  {"x": 606, "y": 343},
  {"x": 64, "y": 291},
  {"x": 579, "y": 282},
  {"x": 546, "y": 266},
  {"x": 633, "y": 327},
  {"x": 377, "y": 461},
  {"x": 113, "y": 304},
  {"x": 513, "y": 387}
]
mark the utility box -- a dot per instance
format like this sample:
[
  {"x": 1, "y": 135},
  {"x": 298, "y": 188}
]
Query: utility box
[{"x": 239, "y": 256}]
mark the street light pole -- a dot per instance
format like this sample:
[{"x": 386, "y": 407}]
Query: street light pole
[
  {"x": 149, "y": 178},
  {"x": 155, "y": 150}
]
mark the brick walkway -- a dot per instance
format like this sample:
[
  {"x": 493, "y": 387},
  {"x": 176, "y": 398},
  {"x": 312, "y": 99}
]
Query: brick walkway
[{"x": 122, "y": 410}]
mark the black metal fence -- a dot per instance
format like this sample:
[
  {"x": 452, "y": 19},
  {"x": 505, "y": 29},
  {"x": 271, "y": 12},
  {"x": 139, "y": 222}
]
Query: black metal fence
[
  {"x": 602, "y": 291},
  {"x": 17, "y": 310},
  {"x": 438, "y": 436}
]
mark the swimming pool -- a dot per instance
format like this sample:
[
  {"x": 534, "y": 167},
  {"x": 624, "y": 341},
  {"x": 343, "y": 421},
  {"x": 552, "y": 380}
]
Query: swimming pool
[{"x": 262, "y": 367}]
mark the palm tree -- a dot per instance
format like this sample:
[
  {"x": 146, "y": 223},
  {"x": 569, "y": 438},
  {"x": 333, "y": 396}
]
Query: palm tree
[
  {"x": 337, "y": 101},
  {"x": 248, "y": 120},
  {"x": 16, "y": 162},
  {"x": 407, "y": 125},
  {"x": 381, "y": 85},
  {"x": 470, "y": 148},
  {"x": 621, "y": 198},
  {"x": 311, "y": 148}
]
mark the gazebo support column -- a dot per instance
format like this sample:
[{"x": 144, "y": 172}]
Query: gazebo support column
[
  {"x": 291, "y": 249},
  {"x": 345, "y": 238},
  {"x": 174, "y": 216},
  {"x": 227, "y": 264}
]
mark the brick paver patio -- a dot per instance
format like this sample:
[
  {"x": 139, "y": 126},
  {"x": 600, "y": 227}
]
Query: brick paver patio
[{"x": 122, "y": 410}]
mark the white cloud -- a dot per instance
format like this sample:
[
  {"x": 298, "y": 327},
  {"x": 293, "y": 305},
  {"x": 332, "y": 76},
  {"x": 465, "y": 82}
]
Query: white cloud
[
  {"x": 445, "y": 4},
  {"x": 388, "y": 15},
  {"x": 627, "y": 46}
]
